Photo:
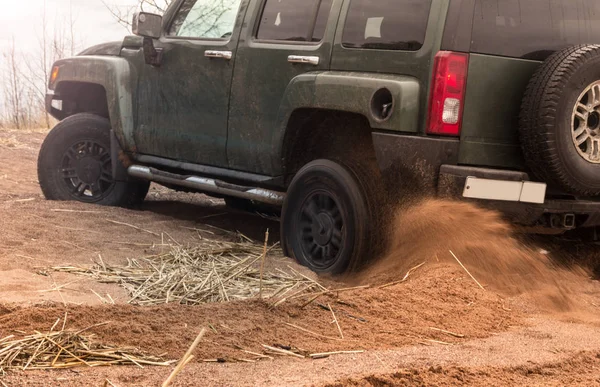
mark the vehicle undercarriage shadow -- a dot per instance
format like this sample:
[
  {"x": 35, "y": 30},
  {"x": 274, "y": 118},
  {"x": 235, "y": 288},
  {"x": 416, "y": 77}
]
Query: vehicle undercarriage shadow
[
  {"x": 571, "y": 250},
  {"x": 213, "y": 212}
]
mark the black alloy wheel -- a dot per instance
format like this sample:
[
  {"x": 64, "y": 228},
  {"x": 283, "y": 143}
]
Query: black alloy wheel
[
  {"x": 87, "y": 171},
  {"x": 322, "y": 229},
  {"x": 326, "y": 224},
  {"x": 75, "y": 164}
]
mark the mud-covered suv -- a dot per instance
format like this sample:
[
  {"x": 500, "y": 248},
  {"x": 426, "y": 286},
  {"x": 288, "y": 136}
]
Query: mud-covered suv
[{"x": 330, "y": 108}]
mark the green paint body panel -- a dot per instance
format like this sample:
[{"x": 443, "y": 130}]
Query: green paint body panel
[
  {"x": 495, "y": 88},
  {"x": 347, "y": 92},
  {"x": 416, "y": 64},
  {"x": 117, "y": 77},
  {"x": 235, "y": 113},
  {"x": 261, "y": 77},
  {"x": 230, "y": 119},
  {"x": 183, "y": 104},
  {"x": 351, "y": 92}
]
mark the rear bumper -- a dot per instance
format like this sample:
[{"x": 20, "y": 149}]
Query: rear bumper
[
  {"x": 422, "y": 166},
  {"x": 585, "y": 213}
]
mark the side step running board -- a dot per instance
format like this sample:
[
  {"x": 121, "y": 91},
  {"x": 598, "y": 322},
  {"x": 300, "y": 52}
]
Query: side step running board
[{"x": 204, "y": 184}]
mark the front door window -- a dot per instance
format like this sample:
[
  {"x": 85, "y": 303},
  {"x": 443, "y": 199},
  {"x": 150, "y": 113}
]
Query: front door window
[{"x": 209, "y": 19}]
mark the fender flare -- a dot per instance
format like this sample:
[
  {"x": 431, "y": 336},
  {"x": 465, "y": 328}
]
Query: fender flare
[
  {"x": 350, "y": 92},
  {"x": 118, "y": 79}
]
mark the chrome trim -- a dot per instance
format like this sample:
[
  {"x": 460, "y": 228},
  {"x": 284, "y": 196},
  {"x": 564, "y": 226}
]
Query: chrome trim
[
  {"x": 227, "y": 55},
  {"x": 585, "y": 124},
  {"x": 204, "y": 184},
  {"x": 313, "y": 60}
]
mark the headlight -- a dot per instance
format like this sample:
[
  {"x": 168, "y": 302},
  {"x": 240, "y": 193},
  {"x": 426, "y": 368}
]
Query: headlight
[{"x": 54, "y": 74}]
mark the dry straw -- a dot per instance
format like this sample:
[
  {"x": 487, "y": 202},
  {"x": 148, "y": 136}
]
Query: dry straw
[
  {"x": 67, "y": 349},
  {"x": 215, "y": 271}
]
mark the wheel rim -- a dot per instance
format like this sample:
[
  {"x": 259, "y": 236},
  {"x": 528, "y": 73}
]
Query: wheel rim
[
  {"x": 322, "y": 229},
  {"x": 86, "y": 171},
  {"x": 586, "y": 124}
]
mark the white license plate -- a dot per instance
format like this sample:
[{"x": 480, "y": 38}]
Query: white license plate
[{"x": 504, "y": 190}]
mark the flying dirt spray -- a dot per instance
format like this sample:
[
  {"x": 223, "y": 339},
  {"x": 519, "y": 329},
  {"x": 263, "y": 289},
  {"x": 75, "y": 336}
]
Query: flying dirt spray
[{"x": 484, "y": 243}]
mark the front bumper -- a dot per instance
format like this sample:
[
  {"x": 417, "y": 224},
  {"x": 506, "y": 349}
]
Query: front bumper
[{"x": 54, "y": 111}]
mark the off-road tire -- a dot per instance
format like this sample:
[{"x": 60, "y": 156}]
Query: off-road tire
[
  {"x": 546, "y": 121},
  {"x": 347, "y": 187},
  {"x": 56, "y": 181}
]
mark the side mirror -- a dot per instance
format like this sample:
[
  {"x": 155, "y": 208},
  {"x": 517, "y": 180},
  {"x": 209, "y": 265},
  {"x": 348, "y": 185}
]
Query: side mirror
[
  {"x": 149, "y": 26},
  {"x": 146, "y": 24}
]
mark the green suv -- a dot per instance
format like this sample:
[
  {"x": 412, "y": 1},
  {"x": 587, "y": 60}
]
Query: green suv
[{"x": 328, "y": 109}]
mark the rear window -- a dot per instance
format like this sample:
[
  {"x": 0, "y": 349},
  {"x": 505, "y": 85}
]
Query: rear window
[
  {"x": 533, "y": 29},
  {"x": 386, "y": 24},
  {"x": 294, "y": 20}
]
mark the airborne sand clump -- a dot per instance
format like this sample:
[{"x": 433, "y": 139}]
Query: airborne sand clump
[{"x": 483, "y": 242}]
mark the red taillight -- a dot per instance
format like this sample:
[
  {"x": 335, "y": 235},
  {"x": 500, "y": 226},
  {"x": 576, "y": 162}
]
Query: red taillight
[{"x": 447, "y": 93}]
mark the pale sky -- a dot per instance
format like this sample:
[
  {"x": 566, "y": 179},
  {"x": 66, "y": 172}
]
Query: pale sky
[
  {"x": 93, "y": 22},
  {"x": 22, "y": 19}
]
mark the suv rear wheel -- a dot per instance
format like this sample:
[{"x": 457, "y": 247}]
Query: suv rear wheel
[
  {"x": 75, "y": 164},
  {"x": 326, "y": 221}
]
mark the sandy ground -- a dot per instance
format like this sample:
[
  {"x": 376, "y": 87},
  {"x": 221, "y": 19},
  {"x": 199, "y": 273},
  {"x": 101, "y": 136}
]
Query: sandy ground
[{"x": 512, "y": 333}]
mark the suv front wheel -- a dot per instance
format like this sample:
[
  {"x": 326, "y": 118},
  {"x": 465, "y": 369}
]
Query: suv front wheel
[
  {"x": 326, "y": 221},
  {"x": 75, "y": 164}
]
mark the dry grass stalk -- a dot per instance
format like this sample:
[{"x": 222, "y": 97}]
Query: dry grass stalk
[
  {"x": 102, "y": 299},
  {"x": 185, "y": 359},
  {"x": 438, "y": 342},
  {"x": 469, "y": 273},
  {"x": 66, "y": 349},
  {"x": 327, "y": 354},
  {"x": 458, "y": 335},
  {"x": 335, "y": 320},
  {"x": 283, "y": 299},
  {"x": 132, "y": 226},
  {"x": 311, "y": 332},
  {"x": 335, "y": 291},
  {"x": 58, "y": 290},
  {"x": 64, "y": 321},
  {"x": 262, "y": 264},
  {"x": 75, "y": 211},
  {"x": 214, "y": 271},
  {"x": 408, "y": 273},
  {"x": 260, "y": 355},
  {"x": 314, "y": 296},
  {"x": 54, "y": 289},
  {"x": 282, "y": 351}
]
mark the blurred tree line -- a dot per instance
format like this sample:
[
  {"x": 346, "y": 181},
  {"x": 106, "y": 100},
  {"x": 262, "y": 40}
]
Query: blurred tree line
[{"x": 24, "y": 83}]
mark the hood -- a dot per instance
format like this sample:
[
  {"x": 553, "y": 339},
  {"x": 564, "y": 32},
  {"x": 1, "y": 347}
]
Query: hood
[{"x": 111, "y": 48}]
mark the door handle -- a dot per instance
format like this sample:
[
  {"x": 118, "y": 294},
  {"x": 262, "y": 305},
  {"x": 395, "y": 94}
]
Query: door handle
[
  {"x": 313, "y": 60},
  {"x": 227, "y": 55}
]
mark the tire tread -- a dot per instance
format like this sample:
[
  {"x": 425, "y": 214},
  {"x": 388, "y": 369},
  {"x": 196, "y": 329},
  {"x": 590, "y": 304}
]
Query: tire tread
[{"x": 537, "y": 120}]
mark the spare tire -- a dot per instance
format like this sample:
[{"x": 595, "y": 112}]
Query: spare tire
[{"x": 560, "y": 121}]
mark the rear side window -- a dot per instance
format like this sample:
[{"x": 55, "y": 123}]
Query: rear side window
[
  {"x": 533, "y": 29},
  {"x": 294, "y": 20},
  {"x": 386, "y": 24}
]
